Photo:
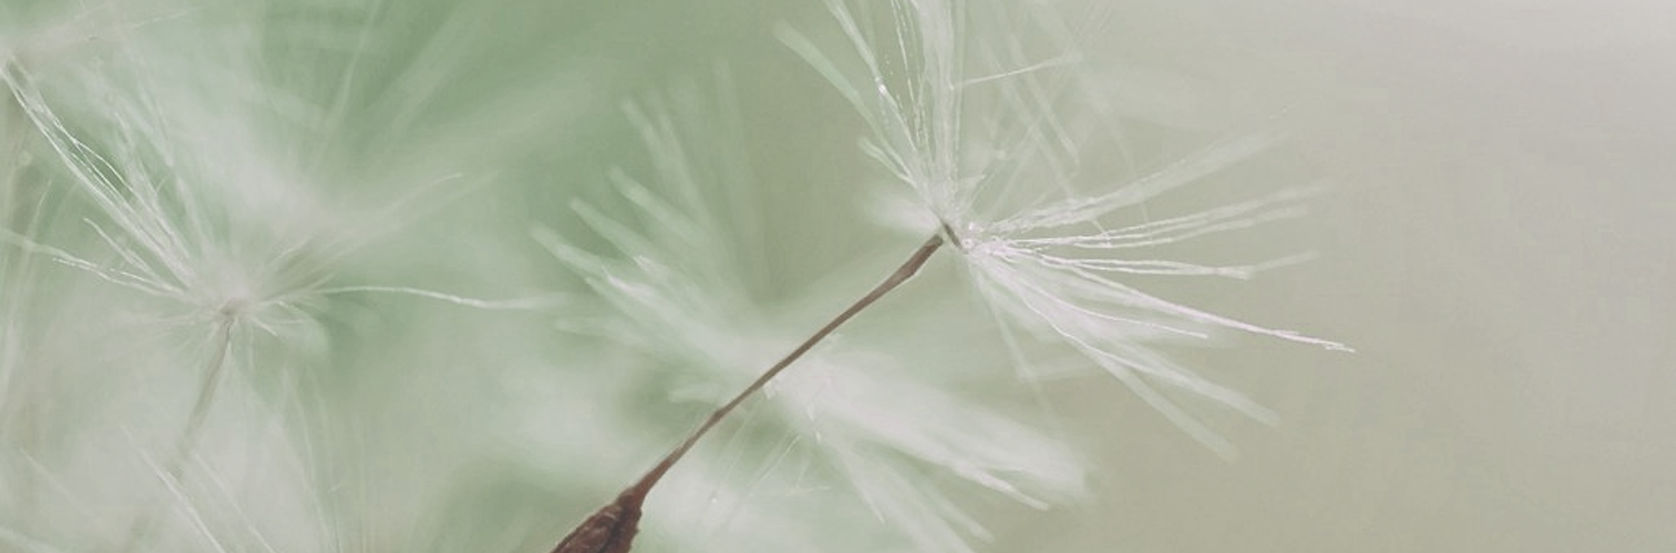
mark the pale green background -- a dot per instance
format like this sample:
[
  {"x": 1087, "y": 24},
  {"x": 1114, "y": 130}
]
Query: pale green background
[{"x": 1496, "y": 243}]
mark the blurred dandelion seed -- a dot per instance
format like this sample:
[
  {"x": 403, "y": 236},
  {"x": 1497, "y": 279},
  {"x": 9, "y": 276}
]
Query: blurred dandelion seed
[{"x": 188, "y": 245}]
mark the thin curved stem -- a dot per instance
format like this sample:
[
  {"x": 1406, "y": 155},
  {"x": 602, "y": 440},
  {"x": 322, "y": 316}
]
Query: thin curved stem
[
  {"x": 612, "y": 528},
  {"x": 908, "y": 269}
]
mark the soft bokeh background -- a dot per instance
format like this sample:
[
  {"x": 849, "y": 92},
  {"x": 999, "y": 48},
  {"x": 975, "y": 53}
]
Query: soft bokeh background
[
  {"x": 1499, "y": 249},
  {"x": 1496, "y": 243}
]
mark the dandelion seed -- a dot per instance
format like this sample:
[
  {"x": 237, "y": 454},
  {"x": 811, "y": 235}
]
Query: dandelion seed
[
  {"x": 1024, "y": 260},
  {"x": 987, "y": 137}
]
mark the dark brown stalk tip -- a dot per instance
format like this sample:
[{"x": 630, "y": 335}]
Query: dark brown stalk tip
[{"x": 611, "y": 529}]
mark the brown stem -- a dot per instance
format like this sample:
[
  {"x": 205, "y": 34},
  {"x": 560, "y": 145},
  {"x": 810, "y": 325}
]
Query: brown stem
[{"x": 612, "y": 528}]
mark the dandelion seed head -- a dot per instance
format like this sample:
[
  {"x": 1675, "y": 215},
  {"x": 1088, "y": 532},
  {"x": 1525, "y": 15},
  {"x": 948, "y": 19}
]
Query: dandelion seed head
[{"x": 989, "y": 135}]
